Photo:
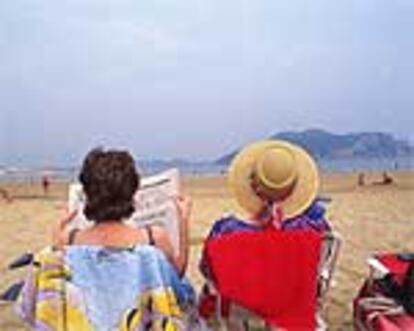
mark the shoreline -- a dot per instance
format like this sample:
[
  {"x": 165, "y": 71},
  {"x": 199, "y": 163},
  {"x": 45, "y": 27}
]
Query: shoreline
[
  {"x": 323, "y": 173},
  {"x": 330, "y": 182}
]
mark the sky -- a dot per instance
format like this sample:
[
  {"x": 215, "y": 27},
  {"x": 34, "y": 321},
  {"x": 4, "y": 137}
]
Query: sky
[{"x": 197, "y": 79}]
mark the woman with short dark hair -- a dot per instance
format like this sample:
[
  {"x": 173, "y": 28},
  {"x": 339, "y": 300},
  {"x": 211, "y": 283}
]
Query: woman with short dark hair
[
  {"x": 110, "y": 180},
  {"x": 111, "y": 275}
]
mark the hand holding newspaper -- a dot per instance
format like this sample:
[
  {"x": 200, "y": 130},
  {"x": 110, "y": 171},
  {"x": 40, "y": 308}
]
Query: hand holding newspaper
[{"x": 154, "y": 204}]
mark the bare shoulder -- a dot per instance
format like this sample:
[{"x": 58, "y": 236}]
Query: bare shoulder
[
  {"x": 159, "y": 233},
  {"x": 162, "y": 239},
  {"x": 121, "y": 236}
]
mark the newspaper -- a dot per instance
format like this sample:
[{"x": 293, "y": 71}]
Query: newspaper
[{"x": 154, "y": 204}]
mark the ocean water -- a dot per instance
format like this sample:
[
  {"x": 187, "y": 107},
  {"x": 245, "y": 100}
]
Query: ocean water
[
  {"x": 367, "y": 164},
  {"x": 207, "y": 168}
]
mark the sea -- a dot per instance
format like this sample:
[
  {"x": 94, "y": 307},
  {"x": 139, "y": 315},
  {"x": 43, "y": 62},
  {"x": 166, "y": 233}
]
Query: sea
[{"x": 68, "y": 174}]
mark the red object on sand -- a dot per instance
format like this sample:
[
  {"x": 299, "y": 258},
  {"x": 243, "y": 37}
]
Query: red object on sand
[
  {"x": 397, "y": 266},
  {"x": 273, "y": 273},
  {"x": 373, "y": 310}
]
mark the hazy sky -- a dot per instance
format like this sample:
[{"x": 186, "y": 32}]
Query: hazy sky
[{"x": 170, "y": 78}]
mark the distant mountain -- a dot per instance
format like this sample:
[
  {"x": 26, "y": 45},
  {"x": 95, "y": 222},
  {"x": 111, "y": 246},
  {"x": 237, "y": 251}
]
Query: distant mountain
[{"x": 326, "y": 145}]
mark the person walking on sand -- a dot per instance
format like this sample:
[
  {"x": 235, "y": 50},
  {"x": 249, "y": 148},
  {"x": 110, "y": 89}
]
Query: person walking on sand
[{"x": 45, "y": 184}]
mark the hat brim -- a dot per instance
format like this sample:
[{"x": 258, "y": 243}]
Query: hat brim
[{"x": 303, "y": 194}]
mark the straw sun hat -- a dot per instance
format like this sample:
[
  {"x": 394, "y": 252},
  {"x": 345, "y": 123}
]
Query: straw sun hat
[{"x": 274, "y": 171}]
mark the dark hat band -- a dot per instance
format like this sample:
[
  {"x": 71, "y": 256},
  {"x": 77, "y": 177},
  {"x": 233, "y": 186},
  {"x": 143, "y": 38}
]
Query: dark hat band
[{"x": 267, "y": 194}]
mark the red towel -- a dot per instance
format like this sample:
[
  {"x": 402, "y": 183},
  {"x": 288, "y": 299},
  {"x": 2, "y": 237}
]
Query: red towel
[{"x": 272, "y": 273}]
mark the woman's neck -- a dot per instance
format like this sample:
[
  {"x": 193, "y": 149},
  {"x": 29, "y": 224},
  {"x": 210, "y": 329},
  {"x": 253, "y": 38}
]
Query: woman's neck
[
  {"x": 110, "y": 233},
  {"x": 253, "y": 220},
  {"x": 108, "y": 224}
]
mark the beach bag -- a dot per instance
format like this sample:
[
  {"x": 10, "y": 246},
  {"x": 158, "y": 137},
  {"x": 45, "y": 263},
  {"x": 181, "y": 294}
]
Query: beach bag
[{"x": 386, "y": 303}]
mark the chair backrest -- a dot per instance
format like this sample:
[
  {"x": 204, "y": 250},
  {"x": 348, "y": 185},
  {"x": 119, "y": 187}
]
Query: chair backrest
[
  {"x": 88, "y": 288},
  {"x": 315, "y": 259}
]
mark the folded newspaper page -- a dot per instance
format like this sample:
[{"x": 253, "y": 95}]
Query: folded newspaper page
[{"x": 154, "y": 204}]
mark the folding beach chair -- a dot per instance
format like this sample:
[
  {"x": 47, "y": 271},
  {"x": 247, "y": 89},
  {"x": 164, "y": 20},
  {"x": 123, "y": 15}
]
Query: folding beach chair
[
  {"x": 269, "y": 280},
  {"x": 385, "y": 302}
]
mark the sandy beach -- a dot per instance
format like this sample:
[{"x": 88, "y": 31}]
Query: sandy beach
[{"x": 369, "y": 219}]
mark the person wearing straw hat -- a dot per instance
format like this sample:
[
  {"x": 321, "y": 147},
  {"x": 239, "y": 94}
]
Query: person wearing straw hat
[{"x": 276, "y": 183}]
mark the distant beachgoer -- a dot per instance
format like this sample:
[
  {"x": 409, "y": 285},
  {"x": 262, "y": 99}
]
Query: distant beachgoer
[
  {"x": 387, "y": 179},
  {"x": 361, "y": 179},
  {"x": 5, "y": 195},
  {"x": 45, "y": 184}
]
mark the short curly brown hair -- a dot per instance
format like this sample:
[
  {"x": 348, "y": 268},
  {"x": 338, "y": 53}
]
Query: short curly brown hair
[{"x": 109, "y": 180}]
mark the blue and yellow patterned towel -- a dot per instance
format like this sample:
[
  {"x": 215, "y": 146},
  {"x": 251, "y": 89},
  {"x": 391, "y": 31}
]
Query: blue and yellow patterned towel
[{"x": 92, "y": 288}]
